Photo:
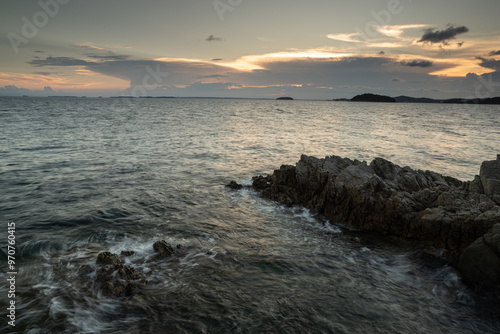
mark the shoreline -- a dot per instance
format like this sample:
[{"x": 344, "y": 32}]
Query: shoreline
[{"x": 385, "y": 198}]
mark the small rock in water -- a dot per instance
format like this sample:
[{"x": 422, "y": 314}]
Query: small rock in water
[
  {"x": 234, "y": 185},
  {"x": 163, "y": 248},
  {"x": 127, "y": 252},
  {"x": 114, "y": 278}
]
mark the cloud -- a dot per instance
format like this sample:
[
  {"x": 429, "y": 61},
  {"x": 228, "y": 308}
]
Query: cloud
[
  {"x": 110, "y": 57},
  {"x": 212, "y": 38},
  {"x": 494, "y": 53},
  {"x": 87, "y": 47},
  {"x": 59, "y": 61},
  {"x": 433, "y": 36},
  {"x": 395, "y": 80},
  {"x": 43, "y": 73},
  {"x": 417, "y": 63},
  {"x": 490, "y": 63}
]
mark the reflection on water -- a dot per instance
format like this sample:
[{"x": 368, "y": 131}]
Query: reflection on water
[{"x": 121, "y": 173}]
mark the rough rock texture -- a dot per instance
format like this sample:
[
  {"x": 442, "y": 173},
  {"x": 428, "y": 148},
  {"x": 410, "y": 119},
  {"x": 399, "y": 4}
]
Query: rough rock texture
[
  {"x": 480, "y": 262},
  {"x": 114, "y": 278},
  {"x": 386, "y": 198},
  {"x": 163, "y": 248},
  {"x": 234, "y": 185},
  {"x": 490, "y": 179}
]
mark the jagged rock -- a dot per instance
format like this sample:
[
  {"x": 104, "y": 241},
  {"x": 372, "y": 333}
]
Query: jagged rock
[
  {"x": 163, "y": 248},
  {"x": 490, "y": 179},
  {"x": 480, "y": 262},
  {"x": 105, "y": 258},
  {"x": 386, "y": 198},
  {"x": 234, "y": 185},
  {"x": 114, "y": 279}
]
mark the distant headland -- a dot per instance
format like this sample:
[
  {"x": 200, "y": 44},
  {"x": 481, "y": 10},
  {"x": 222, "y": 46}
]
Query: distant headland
[{"x": 407, "y": 99}]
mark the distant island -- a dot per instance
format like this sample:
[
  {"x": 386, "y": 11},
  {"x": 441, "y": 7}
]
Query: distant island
[
  {"x": 407, "y": 99},
  {"x": 284, "y": 98},
  {"x": 372, "y": 98}
]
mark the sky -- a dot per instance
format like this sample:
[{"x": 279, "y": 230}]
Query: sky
[{"x": 316, "y": 49}]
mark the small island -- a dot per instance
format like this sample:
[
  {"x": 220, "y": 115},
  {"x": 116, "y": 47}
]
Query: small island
[
  {"x": 284, "y": 98},
  {"x": 372, "y": 98}
]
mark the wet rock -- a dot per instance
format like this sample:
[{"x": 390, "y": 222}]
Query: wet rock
[
  {"x": 163, "y": 248},
  {"x": 114, "y": 279},
  {"x": 234, "y": 185},
  {"x": 85, "y": 270},
  {"x": 260, "y": 182},
  {"x": 127, "y": 252},
  {"x": 480, "y": 262},
  {"x": 383, "y": 197},
  {"x": 105, "y": 258}
]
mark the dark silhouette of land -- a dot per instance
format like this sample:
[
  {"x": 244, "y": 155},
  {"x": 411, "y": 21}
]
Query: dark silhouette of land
[
  {"x": 409, "y": 99},
  {"x": 372, "y": 98}
]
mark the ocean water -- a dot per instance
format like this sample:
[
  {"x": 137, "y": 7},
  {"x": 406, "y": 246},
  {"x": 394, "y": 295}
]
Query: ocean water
[{"x": 119, "y": 174}]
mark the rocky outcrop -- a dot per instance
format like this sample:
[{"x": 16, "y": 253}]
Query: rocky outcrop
[
  {"x": 115, "y": 279},
  {"x": 163, "y": 249},
  {"x": 389, "y": 199},
  {"x": 110, "y": 274},
  {"x": 480, "y": 262},
  {"x": 490, "y": 179}
]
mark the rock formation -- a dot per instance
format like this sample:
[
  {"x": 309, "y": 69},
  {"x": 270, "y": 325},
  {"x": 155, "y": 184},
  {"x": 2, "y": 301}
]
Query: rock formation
[
  {"x": 480, "y": 262},
  {"x": 389, "y": 199},
  {"x": 115, "y": 279}
]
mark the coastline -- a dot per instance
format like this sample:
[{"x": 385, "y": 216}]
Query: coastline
[{"x": 381, "y": 197}]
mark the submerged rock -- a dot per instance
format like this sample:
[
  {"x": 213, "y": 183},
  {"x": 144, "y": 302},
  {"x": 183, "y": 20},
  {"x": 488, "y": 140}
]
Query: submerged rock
[
  {"x": 115, "y": 279},
  {"x": 389, "y": 199}
]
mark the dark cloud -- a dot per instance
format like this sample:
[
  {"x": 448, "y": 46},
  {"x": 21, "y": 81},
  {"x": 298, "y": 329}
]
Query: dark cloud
[
  {"x": 43, "y": 73},
  {"x": 417, "y": 63},
  {"x": 59, "y": 61},
  {"x": 110, "y": 57},
  {"x": 494, "y": 53},
  {"x": 432, "y": 35},
  {"x": 212, "y": 38},
  {"x": 490, "y": 63}
]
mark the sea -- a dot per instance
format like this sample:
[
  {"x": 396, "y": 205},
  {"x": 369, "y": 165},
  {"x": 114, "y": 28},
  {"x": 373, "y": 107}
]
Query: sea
[{"x": 83, "y": 175}]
